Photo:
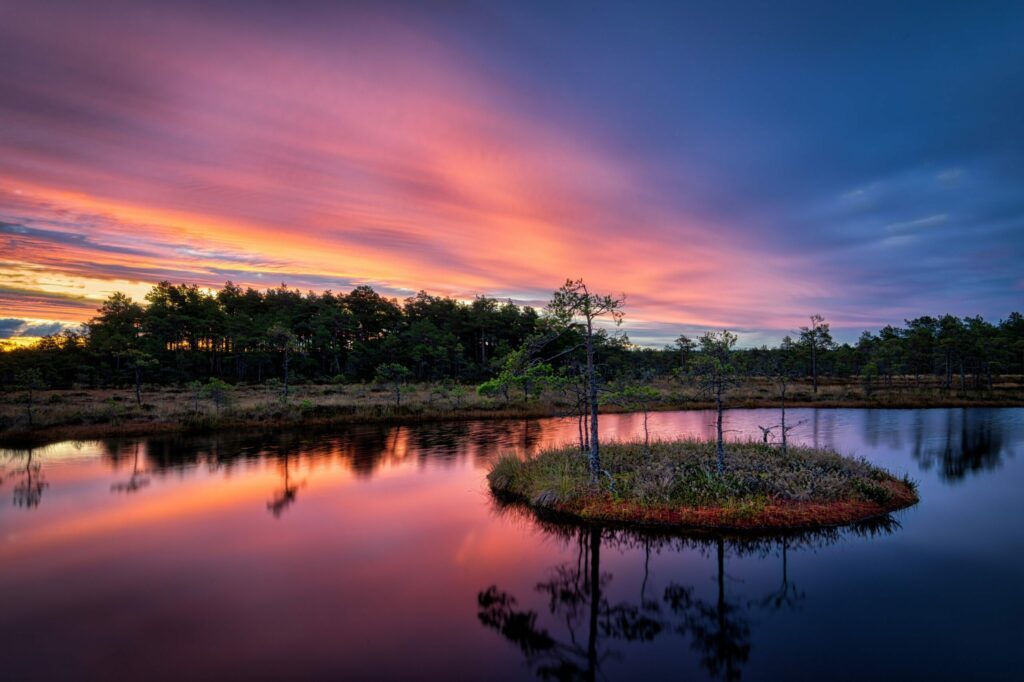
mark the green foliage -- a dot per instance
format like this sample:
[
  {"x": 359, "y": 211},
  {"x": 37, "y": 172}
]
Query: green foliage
[
  {"x": 395, "y": 375},
  {"x": 219, "y": 392},
  {"x": 29, "y": 380},
  {"x": 519, "y": 371},
  {"x": 183, "y": 332},
  {"x": 634, "y": 397}
]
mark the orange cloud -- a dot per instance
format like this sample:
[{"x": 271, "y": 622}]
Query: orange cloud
[{"x": 387, "y": 161}]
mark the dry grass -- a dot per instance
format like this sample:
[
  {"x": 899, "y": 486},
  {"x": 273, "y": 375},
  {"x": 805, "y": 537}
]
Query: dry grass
[
  {"x": 676, "y": 483},
  {"x": 99, "y": 413}
]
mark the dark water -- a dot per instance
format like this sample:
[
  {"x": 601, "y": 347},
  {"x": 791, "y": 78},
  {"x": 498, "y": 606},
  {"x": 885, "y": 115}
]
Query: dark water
[{"x": 377, "y": 553}]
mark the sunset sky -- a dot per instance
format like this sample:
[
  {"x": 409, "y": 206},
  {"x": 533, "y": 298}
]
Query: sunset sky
[{"x": 731, "y": 164}]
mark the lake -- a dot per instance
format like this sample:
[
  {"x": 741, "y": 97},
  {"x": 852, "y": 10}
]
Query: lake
[{"x": 377, "y": 553}]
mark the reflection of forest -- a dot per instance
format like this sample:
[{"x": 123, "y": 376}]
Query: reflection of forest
[
  {"x": 969, "y": 441},
  {"x": 582, "y": 626},
  {"x": 26, "y": 471},
  {"x": 365, "y": 448},
  {"x": 955, "y": 442}
]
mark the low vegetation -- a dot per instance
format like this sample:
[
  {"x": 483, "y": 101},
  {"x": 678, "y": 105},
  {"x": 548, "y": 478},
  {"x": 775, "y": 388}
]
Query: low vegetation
[
  {"x": 34, "y": 415},
  {"x": 196, "y": 360},
  {"x": 677, "y": 483}
]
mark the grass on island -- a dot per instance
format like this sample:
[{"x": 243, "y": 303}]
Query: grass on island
[{"x": 676, "y": 484}]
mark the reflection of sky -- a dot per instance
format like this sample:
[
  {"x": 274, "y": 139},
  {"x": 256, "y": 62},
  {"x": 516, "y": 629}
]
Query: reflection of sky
[
  {"x": 721, "y": 166},
  {"x": 392, "y": 536}
]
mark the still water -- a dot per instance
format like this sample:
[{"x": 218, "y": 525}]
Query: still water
[{"x": 376, "y": 553}]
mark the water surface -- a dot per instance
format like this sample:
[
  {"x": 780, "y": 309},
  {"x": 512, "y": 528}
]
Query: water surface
[{"x": 376, "y": 552}]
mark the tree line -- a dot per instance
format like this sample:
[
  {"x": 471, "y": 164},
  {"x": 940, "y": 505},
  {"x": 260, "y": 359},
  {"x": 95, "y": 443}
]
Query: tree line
[{"x": 183, "y": 333}]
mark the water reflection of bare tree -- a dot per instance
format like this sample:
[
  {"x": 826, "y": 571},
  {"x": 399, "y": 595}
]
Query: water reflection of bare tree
[
  {"x": 284, "y": 497},
  {"x": 787, "y": 596},
  {"x": 585, "y": 624},
  {"x": 29, "y": 481},
  {"x": 136, "y": 481},
  {"x": 576, "y": 596},
  {"x": 719, "y": 630}
]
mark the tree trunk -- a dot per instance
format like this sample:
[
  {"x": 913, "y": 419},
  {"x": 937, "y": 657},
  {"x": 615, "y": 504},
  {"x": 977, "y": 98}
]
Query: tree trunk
[
  {"x": 783, "y": 402},
  {"x": 720, "y": 447},
  {"x": 286, "y": 375},
  {"x": 138, "y": 387},
  {"x": 595, "y": 452},
  {"x": 647, "y": 437},
  {"x": 814, "y": 366}
]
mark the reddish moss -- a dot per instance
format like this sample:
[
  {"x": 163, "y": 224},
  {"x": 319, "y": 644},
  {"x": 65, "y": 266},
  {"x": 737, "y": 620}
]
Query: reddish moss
[{"x": 773, "y": 515}]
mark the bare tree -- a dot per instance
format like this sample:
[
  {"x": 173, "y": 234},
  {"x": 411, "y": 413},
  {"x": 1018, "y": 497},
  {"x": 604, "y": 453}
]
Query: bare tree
[
  {"x": 781, "y": 372},
  {"x": 574, "y": 306},
  {"x": 716, "y": 373}
]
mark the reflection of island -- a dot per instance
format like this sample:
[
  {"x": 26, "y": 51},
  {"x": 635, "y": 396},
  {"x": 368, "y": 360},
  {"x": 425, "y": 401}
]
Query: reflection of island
[
  {"x": 583, "y": 624},
  {"x": 29, "y": 482},
  {"x": 972, "y": 442}
]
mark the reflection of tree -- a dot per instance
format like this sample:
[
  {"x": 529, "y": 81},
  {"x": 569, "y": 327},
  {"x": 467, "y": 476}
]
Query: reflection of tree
[
  {"x": 28, "y": 490},
  {"x": 576, "y": 596},
  {"x": 971, "y": 444},
  {"x": 284, "y": 497},
  {"x": 787, "y": 595},
  {"x": 719, "y": 630},
  {"x": 577, "y": 641},
  {"x": 136, "y": 481}
]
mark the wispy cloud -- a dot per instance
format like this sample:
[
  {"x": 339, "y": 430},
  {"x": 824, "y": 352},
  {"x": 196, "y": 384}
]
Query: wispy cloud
[{"x": 479, "y": 155}]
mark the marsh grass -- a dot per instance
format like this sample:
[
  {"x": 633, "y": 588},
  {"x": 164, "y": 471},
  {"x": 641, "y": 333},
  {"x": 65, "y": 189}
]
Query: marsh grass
[
  {"x": 681, "y": 474},
  {"x": 95, "y": 413}
]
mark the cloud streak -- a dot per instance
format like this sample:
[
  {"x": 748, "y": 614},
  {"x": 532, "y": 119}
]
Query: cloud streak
[{"x": 341, "y": 146}]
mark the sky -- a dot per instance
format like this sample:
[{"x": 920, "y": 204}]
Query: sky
[{"x": 727, "y": 164}]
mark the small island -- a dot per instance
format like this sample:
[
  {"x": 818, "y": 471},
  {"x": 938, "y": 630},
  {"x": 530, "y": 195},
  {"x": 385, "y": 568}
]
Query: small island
[{"x": 677, "y": 483}]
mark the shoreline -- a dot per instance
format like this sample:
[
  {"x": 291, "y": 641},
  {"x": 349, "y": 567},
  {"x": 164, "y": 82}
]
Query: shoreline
[
  {"x": 774, "y": 517},
  {"x": 673, "y": 485},
  {"x": 324, "y": 416}
]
